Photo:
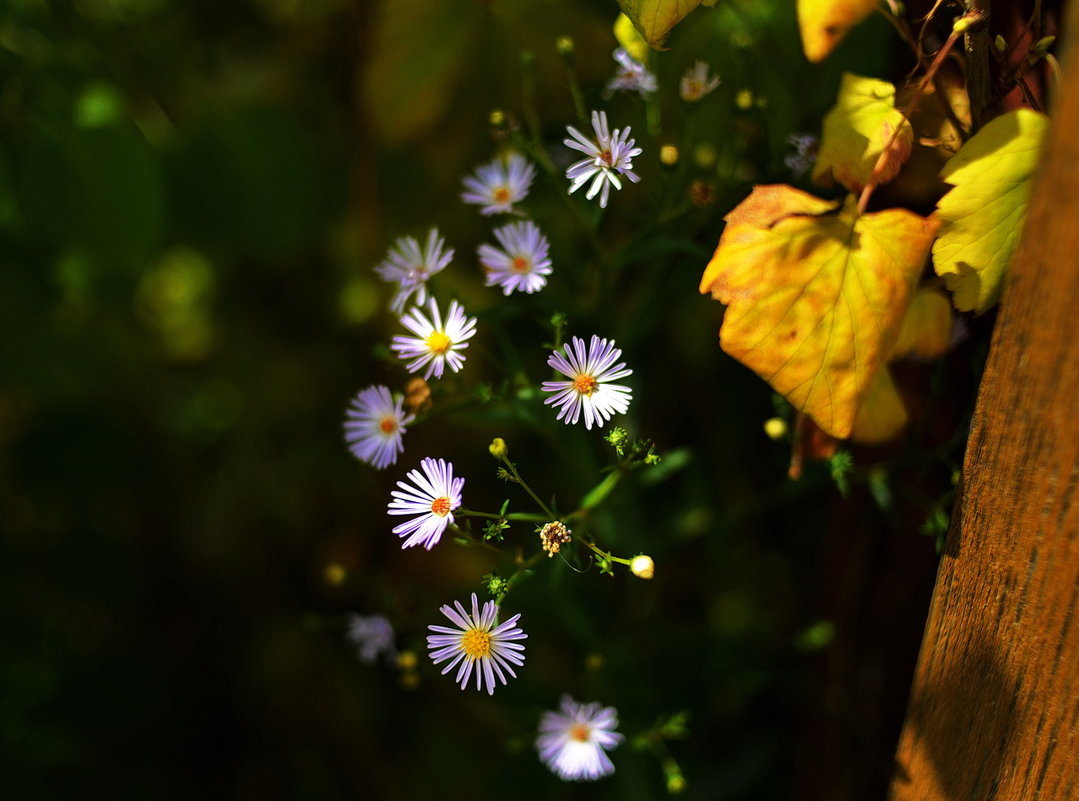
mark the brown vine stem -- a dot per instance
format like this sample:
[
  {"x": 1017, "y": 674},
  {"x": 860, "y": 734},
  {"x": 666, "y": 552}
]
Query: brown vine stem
[
  {"x": 976, "y": 51},
  {"x": 915, "y": 99}
]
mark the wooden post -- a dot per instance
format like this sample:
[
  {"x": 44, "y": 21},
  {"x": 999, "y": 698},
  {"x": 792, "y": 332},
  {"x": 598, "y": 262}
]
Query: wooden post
[{"x": 994, "y": 709}]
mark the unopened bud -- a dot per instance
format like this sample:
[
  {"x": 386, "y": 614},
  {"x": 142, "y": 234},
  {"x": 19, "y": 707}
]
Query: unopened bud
[
  {"x": 498, "y": 448},
  {"x": 775, "y": 427},
  {"x": 406, "y": 660},
  {"x": 497, "y": 118},
  {"x": 565, "y": 47},
  {"x": 668, "y": 155},
  {"x": 642, "y": 566}
]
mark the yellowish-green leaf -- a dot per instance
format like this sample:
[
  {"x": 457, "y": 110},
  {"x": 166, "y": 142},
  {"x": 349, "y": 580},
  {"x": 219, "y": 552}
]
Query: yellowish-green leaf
[
  {"x": 630, "y": 38},
  {"x": 857, "y": 130},
  {"x": 655, "y": 18},
  {"x": 882, "y": 415},
  {"x": 815, "y": 300},
  {"x": 927, "y": 326},
  {"x": 982, "y": 216},
  {"x": 824, "y": 23}
]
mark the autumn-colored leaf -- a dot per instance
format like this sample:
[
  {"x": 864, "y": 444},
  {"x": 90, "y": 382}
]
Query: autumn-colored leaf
[
  {"x": 857, "y": 129},
  {"x": 630, "y": 38},
  {"x": 881, "y": 416},
  {"x": 926, "y": 332},
  {"x": 655, "y": 18},
  {"x": 982, "y": 216},
  {"x": 815, "y": 300},
  {"x": 927, "y": 326},
  {"x": 824, "y": 23}
]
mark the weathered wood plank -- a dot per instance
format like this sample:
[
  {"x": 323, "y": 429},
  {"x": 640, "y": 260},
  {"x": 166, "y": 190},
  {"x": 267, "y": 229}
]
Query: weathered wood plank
[{"x": 994, "y": 710}]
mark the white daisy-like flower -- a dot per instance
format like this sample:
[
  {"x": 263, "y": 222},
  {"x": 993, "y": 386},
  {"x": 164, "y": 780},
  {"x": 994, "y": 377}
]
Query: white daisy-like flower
[
  {"x": 609, "y": 156},
  {"x": 374, "y": 426},
  {"x": 372, "y": 635},
  {"x": 435, "y": 344},
  {"x": 430, "y": 502},
  {"x": 589, "y": 389},
  {"x": 696, "y": 82},
  {"x": 574, "y": 741},
  {"x": 409, "y": 267},
  {"x": 477, "y": 643},
  {"x": 631, "y": 75},
  {"x": 500, "y": 184},
  {"x": 522, "y": 263}
]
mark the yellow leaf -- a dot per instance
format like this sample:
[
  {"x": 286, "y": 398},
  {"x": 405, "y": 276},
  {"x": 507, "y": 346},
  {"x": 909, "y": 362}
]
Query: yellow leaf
[
  {"x": 824, "y": 23},
  {"x": 655, "y": 18},
  {"x": 927, "y": 326},
  {"x": 630, "y": 39},
  {"x": 815, "y": 300},
  {"x": 856, "y": 130},
  {"x": 982, "y": 216},
  {"x": 881, "y": 416}
]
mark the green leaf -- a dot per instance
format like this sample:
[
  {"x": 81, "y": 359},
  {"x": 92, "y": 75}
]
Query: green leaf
[
  {"x": 655, "y": 18},
  {"x": 983, "y": 215},
  {"x": 857, "y": 129}
]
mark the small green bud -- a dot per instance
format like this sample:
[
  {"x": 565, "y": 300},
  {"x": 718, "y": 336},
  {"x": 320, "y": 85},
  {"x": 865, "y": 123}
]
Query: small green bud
[
  {"x": 1041, "y": 47},
  {"x": 652, "y": 458},
  {"x": 505, "y": 475},
  {"x": 495, "y": 584},
  {"x": 498, "y": 448},
  {"x": 565, "y": 47},
  {"x": 497, "y": 118}
]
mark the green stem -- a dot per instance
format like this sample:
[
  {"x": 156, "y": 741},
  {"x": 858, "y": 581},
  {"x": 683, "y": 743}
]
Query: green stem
[
  {"x": 605, "y": 554},
  {"x": 525, "y": 516},
  {"x": 517, "y": 477}
]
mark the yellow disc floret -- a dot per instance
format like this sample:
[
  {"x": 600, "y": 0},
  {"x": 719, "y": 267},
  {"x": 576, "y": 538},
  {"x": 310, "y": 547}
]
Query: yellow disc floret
[
  {"x": 585, "y": 384},
  {"x": 476, "y": 643},
  {"x": 438, "y": 342}
]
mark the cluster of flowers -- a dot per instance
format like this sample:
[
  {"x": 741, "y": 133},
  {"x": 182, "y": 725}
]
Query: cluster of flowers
[{"x": 573, "y": 741}]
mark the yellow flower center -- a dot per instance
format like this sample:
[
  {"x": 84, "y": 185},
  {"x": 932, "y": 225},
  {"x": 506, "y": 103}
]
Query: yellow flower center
[
  {"x": 521, "y": 265},
  {"x": 441, "y": 506},
  {"x": 388, "y": 424},
  {"x": 476, "y": 643},
  {"x": 438, "y": 342},
  {"x": 501, "y": 195},
  {"x": 579, "y": 732},
  {"x": 585, "y": 384}
]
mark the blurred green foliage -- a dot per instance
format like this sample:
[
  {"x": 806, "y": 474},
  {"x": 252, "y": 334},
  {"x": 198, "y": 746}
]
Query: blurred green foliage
[{"x": 192, "y": 196}]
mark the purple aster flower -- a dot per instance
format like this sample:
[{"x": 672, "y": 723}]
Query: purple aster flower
[
  {"x": 588, "y": 389},
  {"x": 477, "y": 643},
  {"x": 522, "y": 263},
  {"x": 696, "y": 83},
  {"x": 409, "y": 267},
  {"x": 609, "y": 156},
  {"x": 372, "y": 635},
  {"x": 631, "y": 75},
  {"x": 500, "y": 184},
  {"x": 574, "y": 741},
  {"x": 430, "y": 502},
  {"x": 435, "y": 344},
  {"x": 374, "y": 426}
]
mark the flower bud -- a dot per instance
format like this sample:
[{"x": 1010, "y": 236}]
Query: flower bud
[
  {"x": 642, "y": 566},
  {"x": 565, "y": 47},
  {"x": 498, "y": 448},
  {"x": 775, "y": 427},
  {"x": 668, "y": 155}
]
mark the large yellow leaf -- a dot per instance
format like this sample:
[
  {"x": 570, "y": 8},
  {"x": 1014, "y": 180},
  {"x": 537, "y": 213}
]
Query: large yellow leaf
[
  {"x": 982, "y": 216},
  {"x": 824, "y": 23},
  {"x": 655, "y": 18},
  {"x": 815, "y": 300},
  {"x": 927, "y": 326},
  {"x": 856, "y": 131},
  {"x": 881, "y": 416}
]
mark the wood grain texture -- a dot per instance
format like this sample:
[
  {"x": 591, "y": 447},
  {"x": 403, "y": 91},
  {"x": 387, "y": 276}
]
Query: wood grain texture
[{"x": 994, "y": 709}]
